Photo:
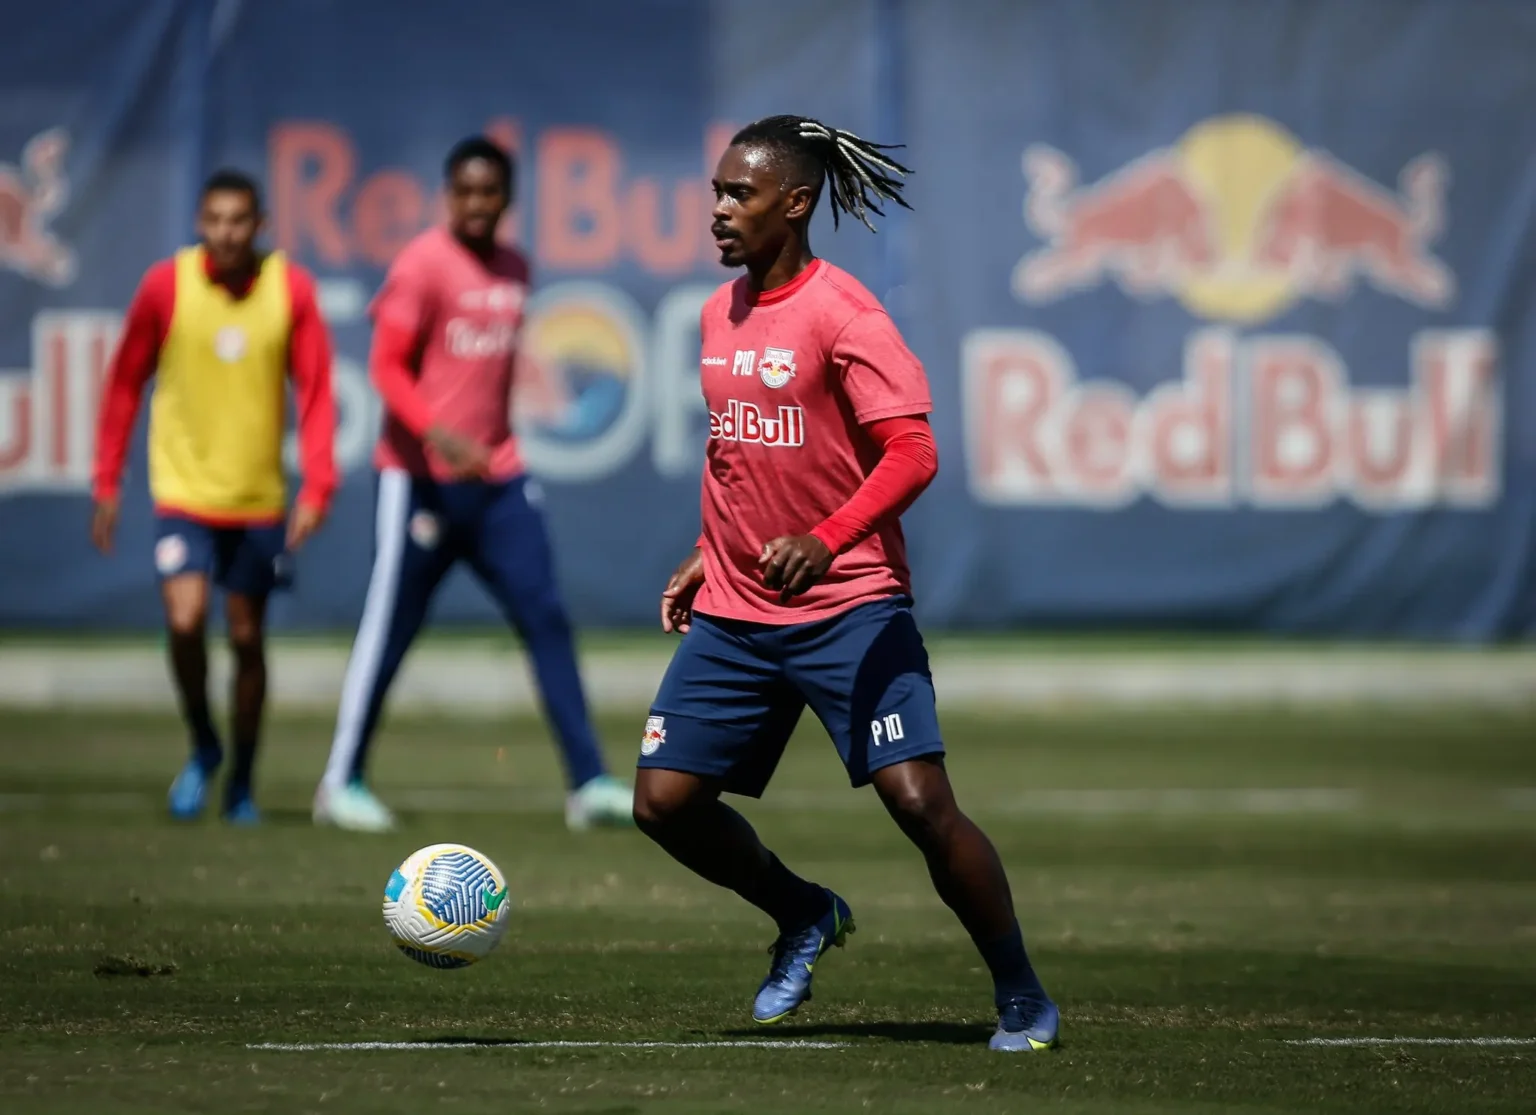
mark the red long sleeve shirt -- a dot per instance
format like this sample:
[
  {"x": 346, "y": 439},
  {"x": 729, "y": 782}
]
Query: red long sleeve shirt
[{"x": 144, "y": 336}]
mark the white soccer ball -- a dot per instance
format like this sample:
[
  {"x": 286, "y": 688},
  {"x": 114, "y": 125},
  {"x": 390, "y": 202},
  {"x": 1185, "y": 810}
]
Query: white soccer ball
[{"x": 446, "y": 906}]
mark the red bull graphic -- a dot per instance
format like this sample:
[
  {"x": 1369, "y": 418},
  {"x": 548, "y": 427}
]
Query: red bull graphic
[
  {"x": 1269, "y": 421},
  {"x": 48, "y": 417},
  {"x": 1237, "y": 220},
  {"x": 1329, "y": 223},
  {"x": 31, "y": 195},
  {"x": 1147, "y": 225}
]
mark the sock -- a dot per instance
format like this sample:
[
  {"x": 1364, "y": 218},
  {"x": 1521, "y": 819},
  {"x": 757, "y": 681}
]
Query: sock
[
  {"x": 189, "y": 661},
  {"x": 792, "y": 902},
  {"x": 1012, "y": 975},
  {"x": 248, "y": 698}
]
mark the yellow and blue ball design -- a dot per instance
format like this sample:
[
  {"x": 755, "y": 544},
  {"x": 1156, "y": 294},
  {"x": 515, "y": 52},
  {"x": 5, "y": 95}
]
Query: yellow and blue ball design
[{"x": 446, "y": 906}]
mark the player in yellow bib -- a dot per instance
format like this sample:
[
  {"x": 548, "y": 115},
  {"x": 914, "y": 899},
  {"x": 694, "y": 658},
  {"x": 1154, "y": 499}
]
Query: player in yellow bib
[{"x": 224, "y": 330}]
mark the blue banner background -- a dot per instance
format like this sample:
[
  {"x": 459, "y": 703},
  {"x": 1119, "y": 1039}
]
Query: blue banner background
[{"x": 617, "y": 110}]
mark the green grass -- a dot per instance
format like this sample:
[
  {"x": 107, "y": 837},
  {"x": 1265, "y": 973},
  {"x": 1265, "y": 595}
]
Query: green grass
[{"x": 1186, "y": 933}]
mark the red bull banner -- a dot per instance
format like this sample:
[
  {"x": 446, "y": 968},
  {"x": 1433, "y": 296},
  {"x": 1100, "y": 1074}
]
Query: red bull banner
[
  {"x": 1228, "y": 309},
  {"x": 1241, "y": 338}
]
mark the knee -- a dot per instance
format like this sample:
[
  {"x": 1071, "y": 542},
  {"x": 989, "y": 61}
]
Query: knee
[
  {"x": 246, "y": 643},
  {"x": 185, "y": 619},
  {"x": 659, "y": 802},
  {"x": 926, "y": 811}
]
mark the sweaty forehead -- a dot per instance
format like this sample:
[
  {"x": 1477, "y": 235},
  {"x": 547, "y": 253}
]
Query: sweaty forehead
[{"x": 751, "y": 162}]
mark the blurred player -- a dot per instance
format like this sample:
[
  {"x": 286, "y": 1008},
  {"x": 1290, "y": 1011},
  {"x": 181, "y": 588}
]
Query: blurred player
[
  {"x": 451, "y": 488},
  {"x": 798, "y": 591},
  {"x": 221, "y": 326}
]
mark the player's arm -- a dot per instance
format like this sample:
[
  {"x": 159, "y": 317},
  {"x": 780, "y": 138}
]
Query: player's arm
[
  {"x": 402, "y": 313},
  {"x": 309, "y": 366},
  {"x": 909, "y": 460},
  {"x": 889, "y": 393},
  {"x": 133, "y": 363}
]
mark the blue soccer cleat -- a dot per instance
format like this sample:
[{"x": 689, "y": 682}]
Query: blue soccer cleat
[
  {"x": 788, "y": 983},
  {"x": 189, "y": 793},
  {"x": 241, "y": 810},
  {"x": 1026, "y": 1026}
]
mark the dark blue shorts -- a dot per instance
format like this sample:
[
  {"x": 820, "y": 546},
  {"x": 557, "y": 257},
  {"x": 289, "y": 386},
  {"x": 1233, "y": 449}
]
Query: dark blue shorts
[
  {"x": 245, "y": 560},
  {"x": 735, "y": 691}
]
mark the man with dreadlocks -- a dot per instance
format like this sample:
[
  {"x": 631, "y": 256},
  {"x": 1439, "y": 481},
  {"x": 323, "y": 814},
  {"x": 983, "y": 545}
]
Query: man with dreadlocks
[{"x": 797, "y": 592}]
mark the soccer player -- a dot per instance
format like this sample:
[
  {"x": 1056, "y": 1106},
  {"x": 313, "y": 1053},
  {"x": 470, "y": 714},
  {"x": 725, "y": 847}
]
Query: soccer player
[
  {"x": 451, "y": 487},
  {"x": 798, "y": 591},
  {"x": 221, "y": 326}
]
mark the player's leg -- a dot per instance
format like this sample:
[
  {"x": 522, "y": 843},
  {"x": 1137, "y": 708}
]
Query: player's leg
[
  {"x": 511, "y": 555},
  {"x": 249, "y": 565},
  {"x": 183, "y": 559},
  {"x": 245, "y": 618},
  {"x": 721, "y": 719},
  {"x": 413, "y": 551},
  {"x": 682, "y": 812},
  {"x": 867, "y": 677},
  {"x": 969, "y": 877}
]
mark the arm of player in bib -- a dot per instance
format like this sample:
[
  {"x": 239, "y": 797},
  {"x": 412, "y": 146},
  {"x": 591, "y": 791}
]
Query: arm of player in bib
[
  {"x": 389, "y": 365},
  {"x": 909, "y": 461},
  {"x": 132, "y": 365},
  {"x": 309, "y": 362}
]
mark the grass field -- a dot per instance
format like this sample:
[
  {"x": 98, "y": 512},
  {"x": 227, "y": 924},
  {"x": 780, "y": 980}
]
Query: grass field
[{"x": 1199, "y": 891}]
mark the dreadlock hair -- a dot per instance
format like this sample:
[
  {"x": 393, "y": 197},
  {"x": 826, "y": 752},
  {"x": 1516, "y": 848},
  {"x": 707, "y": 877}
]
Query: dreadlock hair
[{"x": 861, "y": 177}]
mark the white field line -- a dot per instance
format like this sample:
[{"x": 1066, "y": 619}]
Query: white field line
[
  {"x": 310, "y": 1047},
  {"x": 1369, "y": 1042}
]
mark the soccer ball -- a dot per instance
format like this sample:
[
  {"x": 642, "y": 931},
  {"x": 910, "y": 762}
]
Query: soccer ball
[{"x": 446, "y": 906}]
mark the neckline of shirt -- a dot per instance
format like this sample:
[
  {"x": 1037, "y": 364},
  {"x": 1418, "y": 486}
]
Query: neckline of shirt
[{"x": 788, "y": 290}]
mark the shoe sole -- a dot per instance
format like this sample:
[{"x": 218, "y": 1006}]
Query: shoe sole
[{"x": 837, "y": 942}]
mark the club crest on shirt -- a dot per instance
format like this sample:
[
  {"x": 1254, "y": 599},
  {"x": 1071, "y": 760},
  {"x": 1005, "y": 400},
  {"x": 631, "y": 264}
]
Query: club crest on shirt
[
  {"x": 229, "y": 344},
  {"x": 654, "y": 736},
  {"x": 424, "y": 530},
  {"x": 777, "y": 366},
  {"x": 170, "y": 554}
]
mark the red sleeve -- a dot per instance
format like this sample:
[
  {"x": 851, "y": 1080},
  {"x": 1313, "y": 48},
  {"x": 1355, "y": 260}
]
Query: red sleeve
[
  {"x": 309, "y": 364},
  {"x": 879, "y": 374},
  {"x": 391, "y": 366},
  {"x": 909, "y": 460},
  {"x": 133, "y": 363},
  {"x": 400, "y": 312}
]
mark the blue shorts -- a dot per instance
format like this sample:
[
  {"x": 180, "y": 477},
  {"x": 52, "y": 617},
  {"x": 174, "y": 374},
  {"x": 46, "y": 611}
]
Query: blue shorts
[
  {"x": 734, "y": 692},
  {"x": 245, "y": 560}
]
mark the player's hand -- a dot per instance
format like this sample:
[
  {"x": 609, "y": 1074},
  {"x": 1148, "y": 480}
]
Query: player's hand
[
  {"x": 104, "y": 523},
  {"x": 305, "y": 520},
  {"x": 677, "y": 597},
  {"x": 793, "y": 564},
  {"x": 467, "y": 458}
]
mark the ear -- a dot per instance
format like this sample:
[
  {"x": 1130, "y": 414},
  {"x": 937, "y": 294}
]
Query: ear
[{"x": 799, "y": 202}]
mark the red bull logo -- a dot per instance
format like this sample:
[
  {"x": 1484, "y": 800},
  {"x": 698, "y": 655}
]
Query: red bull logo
[
  {"x": 1237, "y": 220},
  {"x": 31, "y": 195},
  {"x": 1270, "y": 421}
]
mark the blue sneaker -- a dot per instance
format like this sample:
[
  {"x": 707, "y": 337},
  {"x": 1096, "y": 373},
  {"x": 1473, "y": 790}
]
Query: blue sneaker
[
  {"x": 241, "y": 810},
  {"x": 788, "y": 983},
  {"x": 189, "y": 793},
  {"x": 1026, "y": 1026}
]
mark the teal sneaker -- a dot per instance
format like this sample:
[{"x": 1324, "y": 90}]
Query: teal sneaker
[
  {"x": 603, "y": 800},
  {"x": 788, "y": 983},
  {"x": 351, "y": 807}
]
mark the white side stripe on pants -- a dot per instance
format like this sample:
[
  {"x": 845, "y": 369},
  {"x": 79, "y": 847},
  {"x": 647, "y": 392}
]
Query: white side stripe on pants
[{"x": 394, "y": 508}]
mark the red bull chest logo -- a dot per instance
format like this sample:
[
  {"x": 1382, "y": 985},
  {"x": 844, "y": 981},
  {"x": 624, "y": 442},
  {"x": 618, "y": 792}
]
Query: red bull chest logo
[{"x": 1238, "y": 221}]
